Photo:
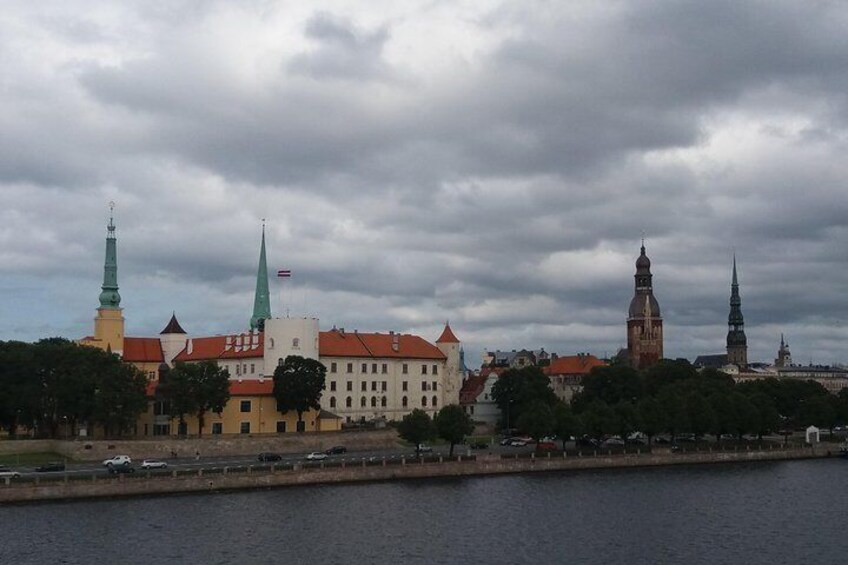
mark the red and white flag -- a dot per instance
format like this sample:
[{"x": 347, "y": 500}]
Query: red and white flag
[{"x": 284, "y": 273}]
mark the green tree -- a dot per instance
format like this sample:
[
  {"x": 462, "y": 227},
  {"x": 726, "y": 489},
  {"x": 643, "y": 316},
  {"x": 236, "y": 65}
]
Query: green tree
[
  {"x": 453, "y": 424},
  {"x": 724, "y": 416},
  {"x": 566, "y": 422},
  {"x": 818, "y": 411},
  {"x": 610, "y": 384},
  {"x": 744, "y": 417},
  {"x": 298, "y": 384},
  {"x": 651, "y": 417},
  {"x": 20, "y": 393},
  {"x": 178, "y": 390},
  {"x": 598, "y": 419},
  {"x": 767, "y": 419},
  {"x": 211, "y": 385},
  {"x": 537, "y": 419},
  {"x": 416, "y": 428},
  {"x": 700, "y": 414},
  {"x": 626, "y": 419},
  {"x": 517, "y": 388},
  {"x": 119, "y": 397},
  {"x": 676, "y": 418}
]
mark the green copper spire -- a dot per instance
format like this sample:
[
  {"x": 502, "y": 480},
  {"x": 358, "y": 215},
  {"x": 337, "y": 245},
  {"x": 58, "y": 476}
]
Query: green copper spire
[
  {"x": 262, "y": 300},
  {"x": 737, "y": 342},
  {"x": 110, "y": 298}
]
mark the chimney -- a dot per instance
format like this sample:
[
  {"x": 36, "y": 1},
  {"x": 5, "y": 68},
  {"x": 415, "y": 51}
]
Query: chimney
[
  {"x": 341, "y": 331},
  {"x": 228, "y": 343},
  {"x": 395, "y": 342}
]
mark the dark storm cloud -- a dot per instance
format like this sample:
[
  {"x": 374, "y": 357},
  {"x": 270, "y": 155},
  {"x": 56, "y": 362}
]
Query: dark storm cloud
[{"x": 492, "y": 165}]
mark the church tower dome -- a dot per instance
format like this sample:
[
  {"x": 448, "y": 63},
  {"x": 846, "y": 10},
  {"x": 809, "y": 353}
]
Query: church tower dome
[{"x": 644, "y": 320}]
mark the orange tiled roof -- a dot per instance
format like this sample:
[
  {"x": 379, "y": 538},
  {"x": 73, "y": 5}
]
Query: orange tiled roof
[
  {"x": 252, "y": 387},
  {"x": 143, "y": 350},
  {"x": 447, "y": 336},
  {"x": 215, "y": 347},
  {"x": 471, "y": 389},
  {"x": 340, "y": 344},
  {"x": 573, "y": 365}
]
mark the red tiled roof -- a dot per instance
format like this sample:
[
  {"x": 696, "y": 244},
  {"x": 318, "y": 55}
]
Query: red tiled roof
[
  {"x": 143, "y": 350},
  {"x": 471, "y": 389},
  {"x": 338, "y": 344},
  {"x": 252, "y": 387},
  {"x": 447, "y": 336},
  {"x": 215, "y": 347},
  {"x": 573, "y": 365}
]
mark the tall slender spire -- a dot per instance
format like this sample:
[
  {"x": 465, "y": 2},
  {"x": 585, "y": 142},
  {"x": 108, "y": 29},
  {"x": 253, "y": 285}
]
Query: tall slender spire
[
  {"x": 109, "y": 297},
  {"x": 737, "y": 342},
  {"x": 262, "y": 300}
]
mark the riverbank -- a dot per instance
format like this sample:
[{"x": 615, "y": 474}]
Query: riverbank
[{"x": 142, "y": 484}]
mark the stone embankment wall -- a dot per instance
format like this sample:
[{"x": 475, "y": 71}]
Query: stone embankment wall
[
  {"x": 98, "y": 486},
  {"x": 209, "y": 446}
]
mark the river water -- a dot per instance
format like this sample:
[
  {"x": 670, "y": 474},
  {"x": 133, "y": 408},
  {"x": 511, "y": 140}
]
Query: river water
[{"x": 770, "y": 513}]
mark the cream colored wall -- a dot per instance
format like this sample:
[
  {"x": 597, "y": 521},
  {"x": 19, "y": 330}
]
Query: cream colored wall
[{"x": 109, "y": 330}]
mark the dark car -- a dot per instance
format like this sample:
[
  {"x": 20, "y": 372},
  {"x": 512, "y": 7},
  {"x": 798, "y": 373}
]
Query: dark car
[
  {"x": 479, "y": 445},
  {"x": 51, "y": 467},
  {"x": 587, "y": 441},
  {"x": 121, "y": 469},
  {"x": 336, "y": 450},
  {"x": 270, "y": 457}
]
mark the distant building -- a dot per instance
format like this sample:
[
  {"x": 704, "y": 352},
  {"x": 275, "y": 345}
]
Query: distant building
[
  {"x": 566, "y": 373},
  {"x": 644, "y": 320},
  {"x": 517, "y": 359},
  {"x": 737, "y": 343},
  {"x": 476, "y": 396},
  {"x": 784, "y": 358}
]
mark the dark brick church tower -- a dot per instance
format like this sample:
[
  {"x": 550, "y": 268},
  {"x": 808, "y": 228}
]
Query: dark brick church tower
[
  {"x": 644, "y": 322},
  {"x": 737, "y": 343}
]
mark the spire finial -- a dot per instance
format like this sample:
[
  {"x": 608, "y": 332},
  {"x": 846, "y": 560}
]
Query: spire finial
[{"x": 735, "y": 280}]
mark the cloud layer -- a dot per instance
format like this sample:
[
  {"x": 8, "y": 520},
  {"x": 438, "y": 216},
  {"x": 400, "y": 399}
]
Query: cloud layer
[{"x": 489, "y": 163}]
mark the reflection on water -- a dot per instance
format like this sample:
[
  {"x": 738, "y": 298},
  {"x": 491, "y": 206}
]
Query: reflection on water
[{"x": 784, "y": 512}]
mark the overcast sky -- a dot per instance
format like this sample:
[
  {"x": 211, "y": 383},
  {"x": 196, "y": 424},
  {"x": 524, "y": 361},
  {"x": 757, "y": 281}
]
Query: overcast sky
[{"x": 490, "y": 163}]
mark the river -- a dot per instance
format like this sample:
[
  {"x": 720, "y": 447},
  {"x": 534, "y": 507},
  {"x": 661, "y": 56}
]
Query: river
[{"x": 769, "y": 513}]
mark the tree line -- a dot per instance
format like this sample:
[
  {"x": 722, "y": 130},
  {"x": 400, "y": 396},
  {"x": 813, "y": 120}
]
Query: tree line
[
  {"x": 56, "y": 386},
  {"x": 671, "y": 398}
]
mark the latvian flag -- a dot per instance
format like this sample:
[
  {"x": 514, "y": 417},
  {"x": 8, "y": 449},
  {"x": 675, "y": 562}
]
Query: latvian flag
[{"x": 283, "y": 274}]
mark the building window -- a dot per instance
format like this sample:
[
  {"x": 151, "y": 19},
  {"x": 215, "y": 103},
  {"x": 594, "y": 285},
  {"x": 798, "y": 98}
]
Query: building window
[
  {"x": 244, "y": 428},
  {"x": 245, "y": 406},
  {"x": 435, "y": 401},
  {"x": 332, "y": 386},
  {"x": 332, "y": 402},
  {"x": 385, "y": 386},
  {"x": 350, "y": 386},
  {"x": 238, "y": 369},
  {"x": 404, "y": 402},
  {"x": 405, "y": 386},
  {"x": 362, "y": 402},
  {"x": 364, "y": 386},
  {"x": 350, "y": 367},
  {"x": 252, "y": 368},
  {"x": 383, "y": 402},
  {"x": 423, "y": 386},
  {"x": 244, "y": 368},
  {"x": 296, "y": 343},
  {"x": 423, "y": 369},
  {"x": 217, "y": 428},
  {"x": 423, "y": 401},
  {"x": 349, "y": 402},
  {"x": 435, "y": 369},
  {"x": 373, "y": 385},
  {"x": 373, "y": 402},
  {"x": 435, "y": 386},
  {"x": 373, "y": 367},
  {"x": 405, "y": 368},
  {"x": 333, "y": 367},
  {"x": 281, "y": 427},
  {"x": 385, "y": 368},
  {"x": 272, "y": 343},
  {"x": 365, "y": 368}
]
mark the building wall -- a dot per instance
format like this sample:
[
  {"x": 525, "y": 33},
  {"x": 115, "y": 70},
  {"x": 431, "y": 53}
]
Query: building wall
[{"x": 289, "y": 336}]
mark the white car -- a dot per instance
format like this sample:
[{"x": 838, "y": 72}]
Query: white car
[
  {"x": 117, "y": 461},
  {"x": 316, "y": 456},
  {"x": 6, "y": 472},
  {"x": 153, "y": 464}
]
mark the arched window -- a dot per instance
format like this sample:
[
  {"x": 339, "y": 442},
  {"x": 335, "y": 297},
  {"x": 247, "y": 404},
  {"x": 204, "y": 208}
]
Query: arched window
[
  {"x": 383, "y": 402},
  {"x": 404, "y": 402},
  {"x": 362, "y": 402},
  {"x": 373, "y": 402},
  {"x": 435, "y": 401},
  {"x": 349, "y": 402},
  {"x": 332, "y": 402},
  {"x": 423, "y": 401}
]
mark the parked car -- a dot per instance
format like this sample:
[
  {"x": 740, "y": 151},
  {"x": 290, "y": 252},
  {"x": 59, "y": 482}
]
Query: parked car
[
  {"x": 121, "y": 469},
  {"x": 153, "y": 464},
  {"x": 587, "y": 441},
  {"x": 316, "y": 456},
  {"x": 51, "y": 467},
  {"x": 336, "y": 450},
  {"x": 423, "y": 448},
  {"x": 546, "y": 446},
  {"x": 117, "y": 460},
  {"x": 266, "y": 456},
  {"x": 613, "y": 442},
  {"x": 478, "y": 445},
  {"x": 6, "y": 472},
  {"x": 517, "y": 442}
]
